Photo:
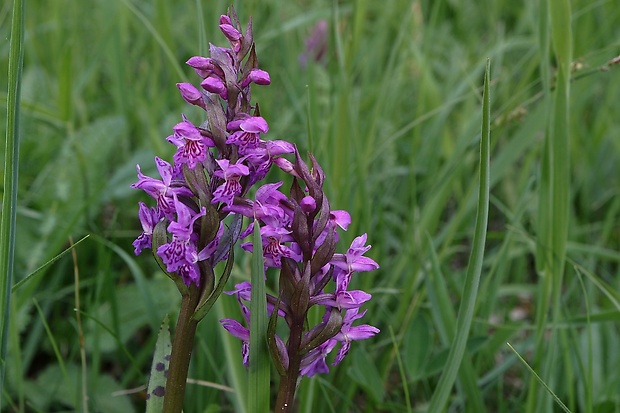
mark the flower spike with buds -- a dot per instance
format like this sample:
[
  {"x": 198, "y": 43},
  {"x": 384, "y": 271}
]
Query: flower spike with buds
[{"x": 201, "y": 200}]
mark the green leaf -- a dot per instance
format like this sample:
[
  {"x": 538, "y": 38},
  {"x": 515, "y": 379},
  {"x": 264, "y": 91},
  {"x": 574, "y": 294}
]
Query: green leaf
[
  {"x": 417, "y": 347},
  {"x": 364, "y": 373},
  {"x": 105, "y": 394},
  {"x": 259, "y": 353},
  {"x": 474, "y": 268},
  {"x": 159, "y": 368},
  {"x": 205, "y": 305},
  {"x": 11, "y": 167}
]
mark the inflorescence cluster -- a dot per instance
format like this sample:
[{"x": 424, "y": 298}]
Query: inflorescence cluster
[{"x": 215, "y": 166}]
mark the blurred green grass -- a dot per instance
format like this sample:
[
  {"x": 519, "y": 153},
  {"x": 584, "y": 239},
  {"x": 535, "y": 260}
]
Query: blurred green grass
[{"x": 393, "y": 116}]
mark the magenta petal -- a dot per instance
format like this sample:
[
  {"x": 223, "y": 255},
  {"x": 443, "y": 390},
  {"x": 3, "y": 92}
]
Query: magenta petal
[
  {"x": 340, "y": 218},
  {"x": 278, "y": 147},
  {"x": 352, "y": 299},
  {"x": 236, "y": 329},
  {"x": 255, "y": 124},
  {"x": 224, "y": 19}
]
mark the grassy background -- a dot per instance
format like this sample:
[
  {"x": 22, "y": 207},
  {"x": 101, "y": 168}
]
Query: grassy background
[{"x": 393, "y": 114}]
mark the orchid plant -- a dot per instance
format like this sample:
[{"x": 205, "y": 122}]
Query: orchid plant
[{"x": 201, "y": 199}]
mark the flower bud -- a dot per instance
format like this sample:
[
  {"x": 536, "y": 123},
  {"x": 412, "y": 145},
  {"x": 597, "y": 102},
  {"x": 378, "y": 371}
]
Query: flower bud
[
  {"x": 214, "y": 84},
  {"x": 258, "y": 76},
  {"x": 191, "y": 94},
  {"x": 308, "y": 204}
]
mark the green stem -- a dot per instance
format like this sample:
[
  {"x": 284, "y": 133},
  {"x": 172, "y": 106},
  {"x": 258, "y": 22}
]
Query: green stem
[
  {"x": 288, "y": 384},
  {"x": 182, "y": 347}
]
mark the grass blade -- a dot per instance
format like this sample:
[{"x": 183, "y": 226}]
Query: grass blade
[
  {"x": 540, "y": 380},
  {"x": 474, "y": 268},
  {"x": 42, "y": 267},
  {"x": 553, "y": 201},
  {"x": 259, "y": 354},
  {"x": 11, "y": 168},
  {"x": 445, "y": 320}
]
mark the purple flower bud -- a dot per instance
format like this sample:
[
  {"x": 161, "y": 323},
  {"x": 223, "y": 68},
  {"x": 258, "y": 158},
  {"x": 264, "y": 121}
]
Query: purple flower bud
[
  {"x": 286, "y": 165},
  {"x": 216, "y": 85},
  {"x": 308, "y": 204},
  {"x": 224, "y": 19},
  {"x": 279, "y": 147},
  {"x": 260, "y": 77},
  {"x": 232, "y": 34},
  {"x": 204, "y": 66},
  {"x": 191, "y": 95}
]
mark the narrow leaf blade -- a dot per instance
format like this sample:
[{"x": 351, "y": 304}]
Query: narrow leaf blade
[
  {"x": 159, "y": 369},
  {"x": 259, "y": 353}
]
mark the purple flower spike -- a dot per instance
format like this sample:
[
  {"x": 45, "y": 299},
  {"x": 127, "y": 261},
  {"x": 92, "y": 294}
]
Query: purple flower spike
[{"x": 218, "y": 161}]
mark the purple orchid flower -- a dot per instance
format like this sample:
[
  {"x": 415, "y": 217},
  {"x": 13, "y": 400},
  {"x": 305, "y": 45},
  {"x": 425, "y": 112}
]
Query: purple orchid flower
[
  {"x": 274, "y": 246},
  {"x": 192, "y": 146},
  {"x": 180, "y": 253},
  {"x": 353, "y": 260},
  {"x": 314, "y": 362},
  {"x": 231, "y": 173},
  {"x": 350, "y": 333},
  {"x": 162, "y": 190},
  {"x": 149, "y": 217},
  {"x": 247, "y": 138}
]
